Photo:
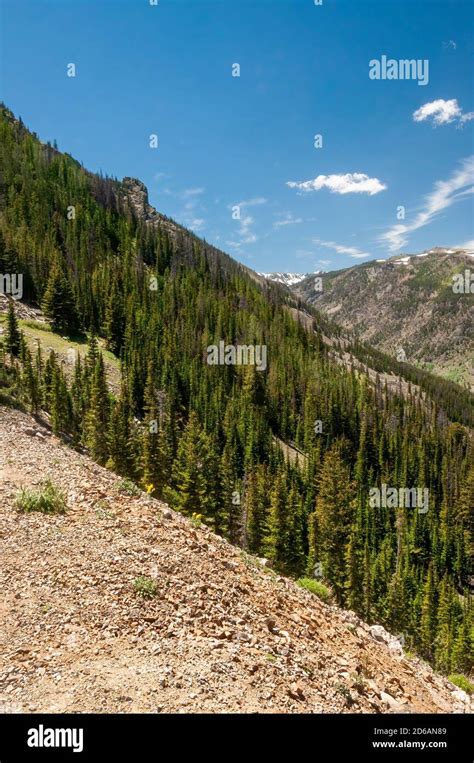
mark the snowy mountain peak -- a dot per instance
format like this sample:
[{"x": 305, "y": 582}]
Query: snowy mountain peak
[{"x": 289, "y": 279}]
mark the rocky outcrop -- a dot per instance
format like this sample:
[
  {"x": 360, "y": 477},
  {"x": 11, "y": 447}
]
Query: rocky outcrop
[{"x": 134, "y": 195}]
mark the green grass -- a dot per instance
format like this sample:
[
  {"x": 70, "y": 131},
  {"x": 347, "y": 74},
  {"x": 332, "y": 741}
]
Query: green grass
[
  {"x": 47, "y": 498},
  {"x": 145, "y": 587},
  {"x": 127, "y": 487},
  {"x": 37, "y": 331},
  {"x": 464, "y": 683},
  {"x": 319, "y": 589}
]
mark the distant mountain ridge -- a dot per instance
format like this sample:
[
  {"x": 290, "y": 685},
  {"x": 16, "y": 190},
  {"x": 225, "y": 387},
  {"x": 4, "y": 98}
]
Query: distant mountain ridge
[
  {"x": 288, "y": 279},
  {"x": 406, "y": 305}
]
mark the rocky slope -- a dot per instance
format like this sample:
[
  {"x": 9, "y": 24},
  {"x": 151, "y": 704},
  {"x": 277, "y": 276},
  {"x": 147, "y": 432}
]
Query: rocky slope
[
  {"x": 223, "y": 633},
  {"x": 405, "y": 303}
]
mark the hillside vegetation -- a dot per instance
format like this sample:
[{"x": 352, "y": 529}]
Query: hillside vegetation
[
  {"x": 121, "y": 605},
  {"x": 207, "y": 438},
  {"x": 406, "y": 303}
]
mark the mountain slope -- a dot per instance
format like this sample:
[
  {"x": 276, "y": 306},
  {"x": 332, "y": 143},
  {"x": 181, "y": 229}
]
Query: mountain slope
[
  {"x": 405, "y": 303},
  {"x": 222, "y": 634},
  {"x": 215, "y": 440}
]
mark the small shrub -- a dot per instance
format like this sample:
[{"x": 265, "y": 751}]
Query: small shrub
[
  {"x": 145, "y": 587},
  {"x": 47, "y": 499},
  {"x": 319, "y": 589},
  {"x": 464, "y": 683},
  {"x": 127, "y": 487},
  {"x": 344, "y": 691}
]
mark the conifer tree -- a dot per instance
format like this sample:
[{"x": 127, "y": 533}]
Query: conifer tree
[
  {"x": 428, "y": 616},
  {"x": 58, "y": 302},
  {"x": 97, "y": 416},
  {"x": 463, "y": 656},
  {"x": 335, "y": 513},
  {"x": 256, "y": 507},
  {"x": 13, "y": 334},
  {"x": 189, "y": 477},
  {"x": 30, "y": 381},
  {"x": 122, "y": 445},
  {"x": 446, "y": 627},
  {"x": 61, "y": 406},
  {"x": 276, "y": 542},
  {"x": 155, "y": 460}
]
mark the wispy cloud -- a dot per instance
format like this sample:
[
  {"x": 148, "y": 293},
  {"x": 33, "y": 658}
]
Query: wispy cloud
[
  {"x": 246, "y": 235},
  {"x": 352, "y": 251},
  {"x": 192, "y": 208},
  {"x": 257, "y": 201},
  {"x": 192, "y": 192},
  {"x": 442, "y": 112},
  {"x": 445, "y": 193},
  {"x": 197, "y": 224},
  {"x": 288, "y": 219},
  {"x": 350, "y": 182}
]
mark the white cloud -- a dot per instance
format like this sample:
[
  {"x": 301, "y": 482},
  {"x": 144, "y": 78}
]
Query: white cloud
[
  {"x": 352, "y": 251},
  {"x": 467, "y": 117},
  {"x": 288, "y": 220},
  {"x": 192, "y": 208},
  {"x": 245, "y": 232},
  {"x": 442, "y": 112},
  {"x": 192, "y": 191},
  {"x": 350, "y": 182},
  {"x": 445, "y": 193},
  {"x": 250, "y": 202}
]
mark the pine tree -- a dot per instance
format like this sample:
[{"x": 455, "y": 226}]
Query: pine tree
[
  {"x": 122, "y": 444},
  {"x": 463, "y": 648},
  {"x": 428, "y": 616},
  {"x": 189, "y": 477},
  {"x": 13, "y": 335},
  {"x": 445, "y": 633},
  {"x": 58, "y": 302},
  {"x": 335, "y": 513},
  {"x": 30, "y": 382},
  {"x": 276, "y": 542},
  {"x": 355, "y": 571},
  {"x": 256, "y": 508},
  {"x": 97, "y": 416},
  {"x": 61, "y": 405},
  {"x": 155, "y": 458}
]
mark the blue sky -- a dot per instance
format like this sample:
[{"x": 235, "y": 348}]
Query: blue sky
[{"x": 248, "y": 141}]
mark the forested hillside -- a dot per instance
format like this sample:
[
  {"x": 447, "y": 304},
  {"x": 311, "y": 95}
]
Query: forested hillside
[
  {"x": 406, "y": 305},
  {"x": 206, "y": 437}
]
